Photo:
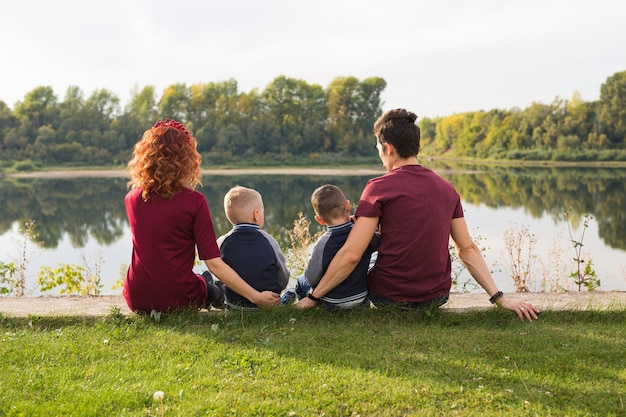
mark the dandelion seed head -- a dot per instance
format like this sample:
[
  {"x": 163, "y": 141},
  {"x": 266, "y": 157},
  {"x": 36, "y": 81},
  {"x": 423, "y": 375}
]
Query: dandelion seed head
[{"x": 158, "y": 395}]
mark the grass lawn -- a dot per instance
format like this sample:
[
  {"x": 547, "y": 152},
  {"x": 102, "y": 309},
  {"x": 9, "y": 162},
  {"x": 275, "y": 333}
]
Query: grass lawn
[{"x": 285, "y": 362}]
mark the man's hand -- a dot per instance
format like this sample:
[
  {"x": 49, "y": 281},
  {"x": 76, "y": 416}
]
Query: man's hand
[
  {"x": 523, "y": 309},
  {"x": 305, "y": 303}
]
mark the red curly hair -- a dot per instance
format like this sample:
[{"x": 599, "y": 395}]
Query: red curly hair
[{"x": 165, "y": 161}]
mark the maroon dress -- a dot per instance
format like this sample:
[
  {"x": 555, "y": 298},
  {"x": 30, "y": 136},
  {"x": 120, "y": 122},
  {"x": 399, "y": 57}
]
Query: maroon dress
[{"x": 165, "y": 236}]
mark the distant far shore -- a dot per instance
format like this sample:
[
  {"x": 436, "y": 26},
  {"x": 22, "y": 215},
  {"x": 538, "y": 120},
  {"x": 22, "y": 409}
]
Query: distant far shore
[
  {"x": 373, "y": 170},
  {"x": 235, "y": 171}
]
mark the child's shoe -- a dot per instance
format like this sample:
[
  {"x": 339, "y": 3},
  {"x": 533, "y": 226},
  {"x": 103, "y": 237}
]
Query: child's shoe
[
  {"x": 287, "y": 296},
  {"x": 220, "y": 301}
]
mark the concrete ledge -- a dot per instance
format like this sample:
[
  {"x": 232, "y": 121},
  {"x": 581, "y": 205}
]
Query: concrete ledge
[
  {"x": 598, "y": 300},
  {"x": 102, "y": 305}
]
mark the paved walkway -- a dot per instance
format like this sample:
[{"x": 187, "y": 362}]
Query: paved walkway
[{"x": 102, "y": 305}]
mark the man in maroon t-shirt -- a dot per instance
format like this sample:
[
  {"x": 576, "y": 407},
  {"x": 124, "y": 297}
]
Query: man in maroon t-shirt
[
  {"x": 417, "y": 212},
  {"x": 413, "y": 263}
]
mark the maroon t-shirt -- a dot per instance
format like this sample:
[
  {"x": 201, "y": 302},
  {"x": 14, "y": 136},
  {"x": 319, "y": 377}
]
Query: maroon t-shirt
[
  {"x": 165, "y": 236},
  {"x": 415, "y": 207}
]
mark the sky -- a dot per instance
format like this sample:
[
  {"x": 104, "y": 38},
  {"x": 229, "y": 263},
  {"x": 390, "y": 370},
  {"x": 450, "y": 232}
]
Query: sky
[{"x": 438, "y": 57}]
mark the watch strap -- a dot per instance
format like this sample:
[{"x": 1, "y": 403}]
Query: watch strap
[
  {"x": 312, "y": 297},
  {"x": 496, "y": 297}
]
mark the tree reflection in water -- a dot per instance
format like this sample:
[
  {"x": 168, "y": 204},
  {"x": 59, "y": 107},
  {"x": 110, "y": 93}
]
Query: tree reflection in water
[{"x": 91, "y": 209}]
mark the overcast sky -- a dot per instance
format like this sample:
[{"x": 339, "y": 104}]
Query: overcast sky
[{"x": 438, "y": 57}]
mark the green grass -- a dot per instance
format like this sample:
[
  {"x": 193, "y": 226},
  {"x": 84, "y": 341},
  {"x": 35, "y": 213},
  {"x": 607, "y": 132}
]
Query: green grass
[{"x": 285, "y": 362}]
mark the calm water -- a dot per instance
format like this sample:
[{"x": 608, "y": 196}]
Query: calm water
[{"x": 83, "y": 220}]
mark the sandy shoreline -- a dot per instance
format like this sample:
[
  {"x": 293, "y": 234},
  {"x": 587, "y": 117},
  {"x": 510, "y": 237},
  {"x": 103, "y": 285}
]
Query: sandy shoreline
[
  {"x": 459, "y": 302},
  {"x": 234, "y": 171},
  {"x": 374, "y": 170},
  {"x": 104, "y": 173}
]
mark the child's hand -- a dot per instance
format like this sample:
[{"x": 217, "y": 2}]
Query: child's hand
[{"x": 267, "y": 299}]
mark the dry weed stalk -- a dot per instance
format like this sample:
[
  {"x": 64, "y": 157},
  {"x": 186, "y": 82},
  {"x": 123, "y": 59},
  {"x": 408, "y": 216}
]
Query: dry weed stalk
[
  {"x": 92, "y": 285},
  {"x": 28, "y": 235},
  {"x": 555, "y": 279},
  {"x": 301, "y": 240},
  {"x": 519, "y": 257}
]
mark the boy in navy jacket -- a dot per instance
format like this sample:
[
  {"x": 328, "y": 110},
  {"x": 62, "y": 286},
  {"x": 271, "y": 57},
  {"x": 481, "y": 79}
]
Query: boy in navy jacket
[{"x": 249, "y": 250}]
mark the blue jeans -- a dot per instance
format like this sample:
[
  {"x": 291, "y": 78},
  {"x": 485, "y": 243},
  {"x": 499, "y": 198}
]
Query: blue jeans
[
  {"x": 302, "y": 287},
  {"x": 379, "y": 302}
]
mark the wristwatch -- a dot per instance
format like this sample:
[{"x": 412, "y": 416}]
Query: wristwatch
[
  {"x": 312, "y": 297},
  {"x": 496, "y": 297}
]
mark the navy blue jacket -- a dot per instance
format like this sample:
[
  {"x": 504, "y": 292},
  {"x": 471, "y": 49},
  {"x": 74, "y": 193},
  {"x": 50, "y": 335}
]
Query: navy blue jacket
[{"x": 256, "y": 257}]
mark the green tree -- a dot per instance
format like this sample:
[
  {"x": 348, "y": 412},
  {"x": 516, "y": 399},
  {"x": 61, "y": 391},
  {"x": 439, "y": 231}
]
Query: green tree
[
  {"x": 230, "y": 138},
  {"x": 297, "y": 109},
  {"x": 613, "y": 108},
  {"x": 579, "y": 121},
  {"x": 428, "y": 131},
  {"x": 140, "y": 114},
  {"x": 353, "y": 107},
  {"x": 502, "y": 127},
  {"x": 142, "y": 107},
  {"x": 212, "y": 107},
  {"x": 253, "y": 122},
  {"x": 531, "y": 132},
  {"x": 448, "y": 130},
  {"x": 45, "y": 136},
  {"x": 39, "y": 107},
  {"x": 8, "y": 122},
  {"x": 473, "y": 133},
  {"x": 174, "y": 102},
  {"x": 72, "y": 121}
]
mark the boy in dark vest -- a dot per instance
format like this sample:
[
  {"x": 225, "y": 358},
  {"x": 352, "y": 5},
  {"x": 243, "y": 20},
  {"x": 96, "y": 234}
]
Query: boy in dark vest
[{"x": 332, "y": 210}]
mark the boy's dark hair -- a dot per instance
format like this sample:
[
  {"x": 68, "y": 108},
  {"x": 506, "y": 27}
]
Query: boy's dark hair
[
  {"x": 398, "y": 128},
  {"x": 329, "y": 202}
]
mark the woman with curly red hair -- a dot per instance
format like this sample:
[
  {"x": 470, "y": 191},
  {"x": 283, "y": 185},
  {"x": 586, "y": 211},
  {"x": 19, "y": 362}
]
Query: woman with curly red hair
[{"x": 169, "y": 219}]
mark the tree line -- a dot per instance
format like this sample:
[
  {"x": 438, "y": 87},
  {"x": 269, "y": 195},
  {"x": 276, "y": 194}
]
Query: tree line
[
  {"x": 292, "y": 121},
  {"x": 562, "y": 130},
  {"x": 289, "y": 118}
]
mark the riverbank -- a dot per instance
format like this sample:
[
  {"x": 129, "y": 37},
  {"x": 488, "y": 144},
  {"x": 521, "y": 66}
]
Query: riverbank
[
  {"x": 459, "y": 302},
  {"x": 442, "y": 165},
  {"x": 103, "y": 173}
]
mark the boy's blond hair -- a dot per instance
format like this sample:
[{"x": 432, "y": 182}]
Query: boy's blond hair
[
  {"x": 329, "y": 202},
  {"x": 240, "y": 203}
]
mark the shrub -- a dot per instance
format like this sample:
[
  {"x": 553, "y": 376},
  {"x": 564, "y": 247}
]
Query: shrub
[{"x": 24, "y": 166}]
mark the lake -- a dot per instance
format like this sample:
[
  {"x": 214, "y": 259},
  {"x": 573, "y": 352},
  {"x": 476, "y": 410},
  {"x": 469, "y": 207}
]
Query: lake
[{"x": 82, "y": 220}]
